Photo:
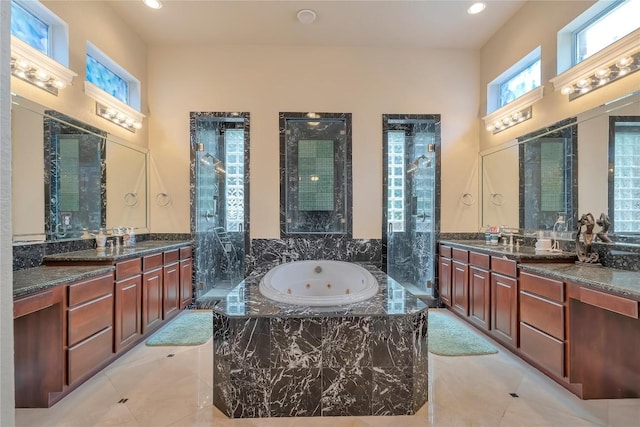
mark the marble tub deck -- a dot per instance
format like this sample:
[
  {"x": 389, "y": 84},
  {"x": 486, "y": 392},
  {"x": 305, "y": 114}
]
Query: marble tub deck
[{"x": 278, "y": 360}]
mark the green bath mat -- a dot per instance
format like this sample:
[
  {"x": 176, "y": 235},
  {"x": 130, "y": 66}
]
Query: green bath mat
[
  {"x": 450, "y": 337},
  {"x": 191, "y": 327}
]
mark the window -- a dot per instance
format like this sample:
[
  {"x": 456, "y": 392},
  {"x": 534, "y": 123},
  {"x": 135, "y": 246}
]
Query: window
[
  {"x": 41, "y": 29},
  {"x": 521, "y": 78},
  {"x": 107, "y": 75},
  {"x": 395, "y": 179},
  {"x": 525, "y": 80},
  {"x": 624, "y": 177},
  {"x": 610, "y": 25},
  {"x": 234, "y": 178}
]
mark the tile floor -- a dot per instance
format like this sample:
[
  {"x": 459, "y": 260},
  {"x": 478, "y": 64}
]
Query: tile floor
[{"x": 464, "y": 391}]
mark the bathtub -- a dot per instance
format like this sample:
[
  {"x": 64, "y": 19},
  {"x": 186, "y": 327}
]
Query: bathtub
[{"x": 318, "y": 283}]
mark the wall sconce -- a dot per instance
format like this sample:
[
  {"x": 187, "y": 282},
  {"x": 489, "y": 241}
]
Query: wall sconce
[
  {"x": 114, "y": 110},
  {"x": 610, "y": 64},
  {"x": 514, "y": 112},
  {"x": 33, "y": 66}
]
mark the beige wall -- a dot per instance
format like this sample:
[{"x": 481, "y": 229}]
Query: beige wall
[
  {"x": 536, "y": 24},
  {"x": 267, "y": 80}
]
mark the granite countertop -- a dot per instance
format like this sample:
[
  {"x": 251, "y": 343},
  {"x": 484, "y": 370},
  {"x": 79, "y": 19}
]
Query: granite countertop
[
  {"x": 246, "y": 301},
  {"x": 523, "y": 253},
  {"x": 32, "y": 280},
  {"x": 621, "y": 282},
  {"x": 117, "y": 254}
]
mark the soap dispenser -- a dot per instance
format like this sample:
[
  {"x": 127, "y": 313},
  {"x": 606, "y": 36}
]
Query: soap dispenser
[{"x": 101, "y": 240}]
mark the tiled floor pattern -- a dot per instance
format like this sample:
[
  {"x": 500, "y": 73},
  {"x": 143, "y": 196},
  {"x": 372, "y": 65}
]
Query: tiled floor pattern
[{"x": 464, "y": 391}]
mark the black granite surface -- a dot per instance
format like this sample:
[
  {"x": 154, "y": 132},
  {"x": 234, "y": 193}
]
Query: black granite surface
[
  {"x": 621, "y": 282},
  {"x": 32, "y": 280},
  {"x": 117, "y": 253},
  {"x": 521, "y": 253}
]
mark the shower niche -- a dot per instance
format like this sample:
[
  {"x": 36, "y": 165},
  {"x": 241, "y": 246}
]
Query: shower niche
[{"x": 315, "y": 174}]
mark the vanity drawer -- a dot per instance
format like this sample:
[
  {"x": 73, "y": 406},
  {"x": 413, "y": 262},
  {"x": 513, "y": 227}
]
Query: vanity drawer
[
  {"x": 460, "y": 255},
  {"x": 504, "y": 266},
  {"x": 620, "y": 305},
  {"x": 544, "y": 349},
  {"x": 185, "y": 252},
  {"x": 89, "y": 355},
  {"x": 81, "y": 292},
  {"x": 87, "y": 319},
  {"x": 543, "y": 314},
  {"x": 128, "y": 268},
  {"x": 171, "y": 256},
  {"x": 152, "y": 261},
  {"x": 479, "y": 260},
  {"x": 543, "y": 286},
  {"x": 445, "y": 251}
]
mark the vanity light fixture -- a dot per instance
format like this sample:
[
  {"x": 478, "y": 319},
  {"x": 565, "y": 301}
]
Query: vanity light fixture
[
  {"x": 33, "y": 66},
  {"x": 153, "y": 4},
  {"x": 114, "y": 110},
  {"x": 610, "y": 64},
  {"x": 514, "y": 112}
]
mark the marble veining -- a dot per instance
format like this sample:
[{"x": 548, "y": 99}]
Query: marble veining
[
  {"x": 523, "y": 253},
  {"x": 118, "y": 253},
  {"x": 275, "y": 360},
  {"x": 32, "y": 280}
]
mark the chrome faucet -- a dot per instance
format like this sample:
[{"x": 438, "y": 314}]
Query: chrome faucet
[{"x": 291, "y": 256}]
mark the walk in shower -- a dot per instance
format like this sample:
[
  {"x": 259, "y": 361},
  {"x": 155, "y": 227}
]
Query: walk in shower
[
  {"x": 219, "y": 201},
  {"x": 411, "y": 201}
]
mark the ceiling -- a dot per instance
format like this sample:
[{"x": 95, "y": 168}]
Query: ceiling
[{"x": 392, "y": 23}]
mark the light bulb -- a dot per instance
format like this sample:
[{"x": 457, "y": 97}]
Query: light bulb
[
  {"x": 153, "y": 4},
  {"x": 490, "y": 128},
  {"x": 567, "y": 90},
  {"x": 624, "y": 70},
  {"x": 42, "y": 75},
  {"x": 624, "y": 62},
  {"x": 603, "y": 72},
  {"x": 476, "y": 8},
  {"x": 23, "y": 64},
  {"x": 59, "y": 84},
  {"x": 583, "y": 83}
]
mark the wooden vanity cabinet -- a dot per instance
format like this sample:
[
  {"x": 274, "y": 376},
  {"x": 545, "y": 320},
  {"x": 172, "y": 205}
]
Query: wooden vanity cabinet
[
  {"x": 504, "y": 301},
  {"x": 186, "y": 279},
  {"x": 542, "y": 322},
  {"x": 90, "y": 326},
  {"x": 38, "y": 350},
  {"x": 479, "y": 290},
  {"x": 152, "y": 290},
  {"x": 128, "y": 303},
  {"x": 171, "y": 282},
  {"x": 460, "y": 281},
  {"x": 444, "y": 275}
]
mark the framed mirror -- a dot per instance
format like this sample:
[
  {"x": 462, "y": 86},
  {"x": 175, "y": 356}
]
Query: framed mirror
[
  {"x": 589, "y": 187},
  {"x": 69, "y": 179}
]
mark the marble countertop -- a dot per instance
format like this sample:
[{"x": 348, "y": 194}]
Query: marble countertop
[
  {"x": 117, "y": 254},
  {"x": 523, "y": 253},
  {"x": 32, "y": 280},
  {"x": 246, "y": 301},
  {"x": 621, "y": 282}
]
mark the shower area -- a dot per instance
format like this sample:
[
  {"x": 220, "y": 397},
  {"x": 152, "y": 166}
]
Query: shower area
[
  {"x": 219, "y": 201},
  {"x": 411, "y": 199}
]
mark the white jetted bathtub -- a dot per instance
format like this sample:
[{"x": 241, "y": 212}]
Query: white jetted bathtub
[{"x": 318, "y": 283}]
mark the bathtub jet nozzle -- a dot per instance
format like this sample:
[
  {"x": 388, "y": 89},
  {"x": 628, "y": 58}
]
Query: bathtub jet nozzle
[{"x": 318, "y": 269}]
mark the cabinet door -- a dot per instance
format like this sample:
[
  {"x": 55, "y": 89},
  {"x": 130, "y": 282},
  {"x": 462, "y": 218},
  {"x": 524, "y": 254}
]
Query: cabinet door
[
  {"x": 444, "y": 281},
  {"x": 151, "y": 299},
  {"x": 460, "y": 288},
  {"x": 128, "y": 312},
  {"x": 171, "y": 284},
  {"x": 504, "y": 309},
  {"x": 186, "y": 283},
  {"x": 479, "y": 287}
]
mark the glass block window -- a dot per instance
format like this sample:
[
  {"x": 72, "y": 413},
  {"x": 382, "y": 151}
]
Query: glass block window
[
  {"x": 624, "y": 187},
  {"x": 612, "y": 24},
  {"x": 107, "y": 80},
  {"x": 30, "y": 29},
  {"x": 234, "y": 178},
  {"x": 395, "y": 177},
  {"x": 525, "y": 80}
]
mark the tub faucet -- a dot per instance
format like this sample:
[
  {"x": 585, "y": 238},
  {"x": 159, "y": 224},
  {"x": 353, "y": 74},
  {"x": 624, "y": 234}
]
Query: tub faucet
[{"x": 291, "y": 256}]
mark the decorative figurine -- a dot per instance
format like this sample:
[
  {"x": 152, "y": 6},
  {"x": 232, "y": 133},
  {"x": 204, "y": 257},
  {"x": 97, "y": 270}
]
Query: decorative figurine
[
  {"x": 585, "y": 256},
  {"x": 604, "y": 222}
]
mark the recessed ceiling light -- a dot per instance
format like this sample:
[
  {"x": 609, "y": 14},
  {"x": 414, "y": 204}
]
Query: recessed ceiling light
[
  {"x": 153, "y": 4},
  {"x": 476, "y": 8},
  {"x": 306, "y": 16}
]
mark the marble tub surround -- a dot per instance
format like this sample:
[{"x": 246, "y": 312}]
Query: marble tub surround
[
  {"x": 622, "y": 282},
  {"x": 277, "y": 360},
  {"x": 265, "y": 254},
  {"x": 31, "y": 280}
]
